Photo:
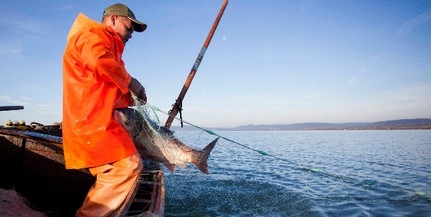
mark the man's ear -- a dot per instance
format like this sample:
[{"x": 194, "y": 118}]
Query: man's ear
[{"x": 113, "y": 18}]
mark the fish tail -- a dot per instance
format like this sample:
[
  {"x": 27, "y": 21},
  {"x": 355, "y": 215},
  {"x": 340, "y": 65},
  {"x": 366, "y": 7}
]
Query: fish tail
[{"x": 201, "y": 161}]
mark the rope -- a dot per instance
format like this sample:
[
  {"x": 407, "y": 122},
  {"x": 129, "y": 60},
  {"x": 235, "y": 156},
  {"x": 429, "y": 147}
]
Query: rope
[{"x": 341, "y": 179}]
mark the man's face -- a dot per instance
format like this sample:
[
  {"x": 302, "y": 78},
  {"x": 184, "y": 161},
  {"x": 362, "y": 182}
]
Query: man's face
[{"x": 124, "y": 28}]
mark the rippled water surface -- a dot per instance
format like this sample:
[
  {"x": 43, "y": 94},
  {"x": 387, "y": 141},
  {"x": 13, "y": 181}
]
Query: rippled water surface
[{"x": 306, "y": 173}]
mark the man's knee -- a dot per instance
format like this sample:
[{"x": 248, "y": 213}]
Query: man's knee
[{"x": 137, "y": 164}]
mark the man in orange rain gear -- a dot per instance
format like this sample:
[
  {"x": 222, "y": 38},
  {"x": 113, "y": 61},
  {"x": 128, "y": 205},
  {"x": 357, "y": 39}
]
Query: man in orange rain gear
[{"x": 95, "y": 82}]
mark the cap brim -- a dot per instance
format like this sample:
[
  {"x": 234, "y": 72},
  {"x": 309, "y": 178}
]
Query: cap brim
[{"x": 138, "y": 26}]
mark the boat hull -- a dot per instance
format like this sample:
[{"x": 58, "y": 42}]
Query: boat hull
[{"x": 33, "y": 164}]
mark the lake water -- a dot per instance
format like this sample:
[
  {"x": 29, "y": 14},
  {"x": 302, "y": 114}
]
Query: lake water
[{"x": 307, "y": 173}]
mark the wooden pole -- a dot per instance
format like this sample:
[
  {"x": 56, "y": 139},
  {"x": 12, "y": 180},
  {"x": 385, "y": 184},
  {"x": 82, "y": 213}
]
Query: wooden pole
[{"x": 178, "y": 102}]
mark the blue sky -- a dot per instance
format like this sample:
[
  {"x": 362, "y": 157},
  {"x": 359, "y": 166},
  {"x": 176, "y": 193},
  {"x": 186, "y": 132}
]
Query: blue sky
[{"x": 269, "y": 62}]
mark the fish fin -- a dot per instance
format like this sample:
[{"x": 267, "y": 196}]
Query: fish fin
[{"x": 201, "y": 162}]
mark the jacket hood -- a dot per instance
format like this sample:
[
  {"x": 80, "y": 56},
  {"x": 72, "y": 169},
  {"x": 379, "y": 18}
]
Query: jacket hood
[{"x": 81, "y": 22}]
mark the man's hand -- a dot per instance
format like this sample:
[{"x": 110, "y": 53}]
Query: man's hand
[{"x": 136, "y": 88}]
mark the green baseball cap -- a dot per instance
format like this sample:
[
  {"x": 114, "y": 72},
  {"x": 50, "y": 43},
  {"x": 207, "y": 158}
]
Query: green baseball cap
[{"x": 123, "y": 10}]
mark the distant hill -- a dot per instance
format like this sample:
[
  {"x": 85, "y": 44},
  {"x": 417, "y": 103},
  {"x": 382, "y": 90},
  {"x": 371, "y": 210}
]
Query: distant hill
[{"x": 404, "y": 124}]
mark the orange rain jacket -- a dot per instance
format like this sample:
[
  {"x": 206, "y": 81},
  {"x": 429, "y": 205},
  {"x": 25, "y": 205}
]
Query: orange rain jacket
[{"x": 95, "y": 82}]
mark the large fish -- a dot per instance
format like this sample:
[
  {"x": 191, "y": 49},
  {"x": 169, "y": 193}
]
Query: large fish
[{"x": 158, "y": 143}]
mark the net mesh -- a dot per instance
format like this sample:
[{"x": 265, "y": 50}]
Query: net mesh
[
  {"x": 161, "y": 138},
  {"x": 147, "y": 113},
  {"x": 13, "y": 204}
]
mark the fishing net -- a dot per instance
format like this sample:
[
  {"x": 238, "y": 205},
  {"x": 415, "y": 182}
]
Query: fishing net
[
  {"x": 157, "y": 142},
  {"x": 12, "y": 204},
  {"x": 148, "y": 113},
  {"x": 328, "y": 183}
]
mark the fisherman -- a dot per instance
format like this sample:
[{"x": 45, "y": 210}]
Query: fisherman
[{"x": 95, "y": 82}]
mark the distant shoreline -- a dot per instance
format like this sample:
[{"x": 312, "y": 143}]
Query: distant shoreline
[{"x": 400, "y": 124}]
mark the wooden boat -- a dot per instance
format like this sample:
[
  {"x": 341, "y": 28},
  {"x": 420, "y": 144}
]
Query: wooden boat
[{"x": 32, "y": 163}]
